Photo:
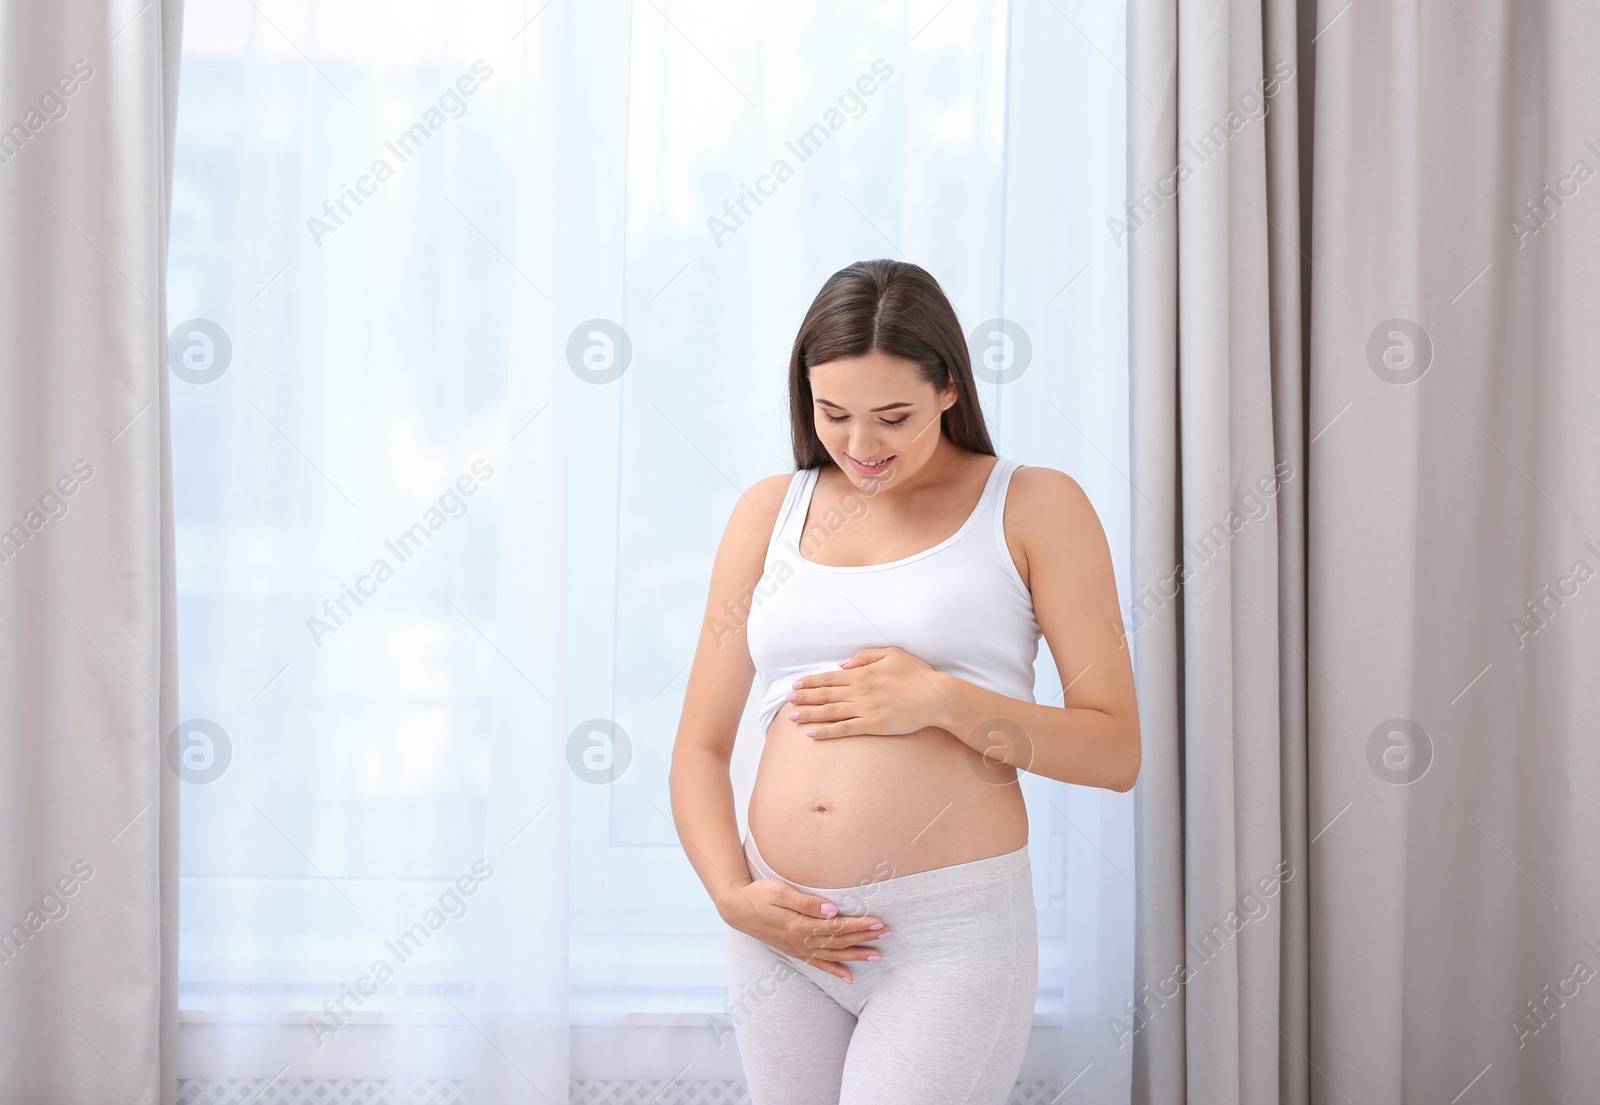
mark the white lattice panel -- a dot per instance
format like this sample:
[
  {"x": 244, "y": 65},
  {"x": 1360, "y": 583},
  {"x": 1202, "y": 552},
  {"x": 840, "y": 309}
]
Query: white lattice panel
[
  {"x": 456, "y": 1091},
  {"x": 323, "y": 1091}
]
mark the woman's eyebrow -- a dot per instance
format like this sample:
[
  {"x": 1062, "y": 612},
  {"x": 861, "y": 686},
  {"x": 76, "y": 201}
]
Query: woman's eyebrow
[{"x": 874, "y": 410}]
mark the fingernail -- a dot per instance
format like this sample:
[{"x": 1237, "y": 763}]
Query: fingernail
[
  {"x": 794, "y": 715},
  {"x": 847, "y": 978},
  {"x": 885, "y": 936},
  {"x": 829, "y": 909},
  {"x": 795, "y": 684},
  {"x": 873, "y": 958},
  {"x": 791, "y": 696},
  {"x": 876, "y": 927},
  {"x": 809, "y": 732}
]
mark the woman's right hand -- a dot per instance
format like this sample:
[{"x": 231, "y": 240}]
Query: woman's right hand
[{"x": 804, "y": 926}]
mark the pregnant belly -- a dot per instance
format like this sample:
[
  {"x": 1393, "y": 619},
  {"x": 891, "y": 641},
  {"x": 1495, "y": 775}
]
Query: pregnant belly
[{"x": 837, "y": 812}]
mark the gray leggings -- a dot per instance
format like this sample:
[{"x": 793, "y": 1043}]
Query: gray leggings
[{"x": 944, "y": 1017}]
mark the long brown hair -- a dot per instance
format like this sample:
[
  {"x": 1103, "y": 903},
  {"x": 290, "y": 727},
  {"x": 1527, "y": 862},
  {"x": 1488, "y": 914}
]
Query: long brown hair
[{"x": 891, "y": 307}]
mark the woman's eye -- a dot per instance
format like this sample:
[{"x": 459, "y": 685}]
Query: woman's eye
[{"x": 901, "y": 421}]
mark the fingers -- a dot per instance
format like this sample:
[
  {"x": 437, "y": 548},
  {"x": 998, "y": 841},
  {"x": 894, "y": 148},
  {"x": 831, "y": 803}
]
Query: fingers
[
  {"x": 809, "y": 714},
  {"x": 842, "y": 955},
  {"x": 833, "y": 961},
  {"x": 818, "y": 939},
  {"x": 832, "y": 969},
  {"x": 845, "y": 931},
  {"x": 838, "y": 678},
  {"x": 825, "y": 915},
  {"x": 821, "y": 936},
  {"x": 809, "y": 905},
  {"x": 816, "y": 696},
  {"x": 828, "y": 944}
]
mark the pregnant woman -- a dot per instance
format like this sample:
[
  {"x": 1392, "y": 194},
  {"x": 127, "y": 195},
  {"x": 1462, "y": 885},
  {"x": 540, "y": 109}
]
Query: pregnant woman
[{"x": 890, "y": 595}]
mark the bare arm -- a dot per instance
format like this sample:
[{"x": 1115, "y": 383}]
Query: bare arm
[
  {"x": 1093, "y": 738},
  {"x": 802, "y": 925},
  {"x": 719, "y": 684}
]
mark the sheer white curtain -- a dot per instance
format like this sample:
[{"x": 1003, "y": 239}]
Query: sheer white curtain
[{"x": 447, "y": 514}]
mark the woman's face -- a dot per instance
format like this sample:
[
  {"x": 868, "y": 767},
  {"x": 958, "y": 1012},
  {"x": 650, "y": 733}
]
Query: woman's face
[{"x": 876, "y": 408}]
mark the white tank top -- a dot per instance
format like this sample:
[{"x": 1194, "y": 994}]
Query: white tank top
[{"x": 960, "y": 605}]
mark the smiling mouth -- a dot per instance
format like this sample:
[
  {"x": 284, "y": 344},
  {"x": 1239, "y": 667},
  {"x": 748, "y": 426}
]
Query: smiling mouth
[{"x": 870, "y": 465}]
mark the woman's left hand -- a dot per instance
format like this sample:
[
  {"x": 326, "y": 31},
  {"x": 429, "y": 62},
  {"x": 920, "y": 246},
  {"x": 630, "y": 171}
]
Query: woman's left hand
[{"x": 878, "y": 691}]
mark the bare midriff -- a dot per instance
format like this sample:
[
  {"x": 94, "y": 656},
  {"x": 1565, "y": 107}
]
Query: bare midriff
[{"x": 845, "y": 810}]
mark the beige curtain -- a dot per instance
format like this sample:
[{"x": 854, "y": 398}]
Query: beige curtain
[
  {"x": 88, "y": 680},
  {"x": 1456, "y": 536},
  {"x": 1218, "y": 550},
  {"x": 1363, "y": 634}
]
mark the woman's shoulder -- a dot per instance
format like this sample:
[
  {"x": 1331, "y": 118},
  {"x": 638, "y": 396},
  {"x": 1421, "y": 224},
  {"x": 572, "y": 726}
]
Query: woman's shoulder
[
  {"x": 1038, "y": 480},
  {"x": 758, "y": 505},
  {"x": 773, "y": 489},
  {"x": 751, "y": 522},
  {"x": 1048, "y": 502}
]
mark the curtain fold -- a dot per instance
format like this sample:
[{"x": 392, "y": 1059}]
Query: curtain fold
[
  {"x": 1456, "y": 522},
  {"x": 1219, "y": 1010},
  {"x": 88, "y": 681},
  {"x": 1374, "y": 679}
]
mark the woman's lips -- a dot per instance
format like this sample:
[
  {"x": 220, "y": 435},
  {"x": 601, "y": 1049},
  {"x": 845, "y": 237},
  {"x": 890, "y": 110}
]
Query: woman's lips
[{"x": 872, "y": 469}]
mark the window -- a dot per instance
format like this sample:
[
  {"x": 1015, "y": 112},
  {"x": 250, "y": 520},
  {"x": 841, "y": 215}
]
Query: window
[{"x": 374, "y": 640}]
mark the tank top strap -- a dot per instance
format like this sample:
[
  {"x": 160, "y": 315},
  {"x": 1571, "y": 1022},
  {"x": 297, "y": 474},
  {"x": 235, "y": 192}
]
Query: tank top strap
[
  {"x": 791, "y": 515},
  {"x": 992, "y": 500},
  {"x": 988, "y": 514},
  {"x": 1000, "y": 488}
]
